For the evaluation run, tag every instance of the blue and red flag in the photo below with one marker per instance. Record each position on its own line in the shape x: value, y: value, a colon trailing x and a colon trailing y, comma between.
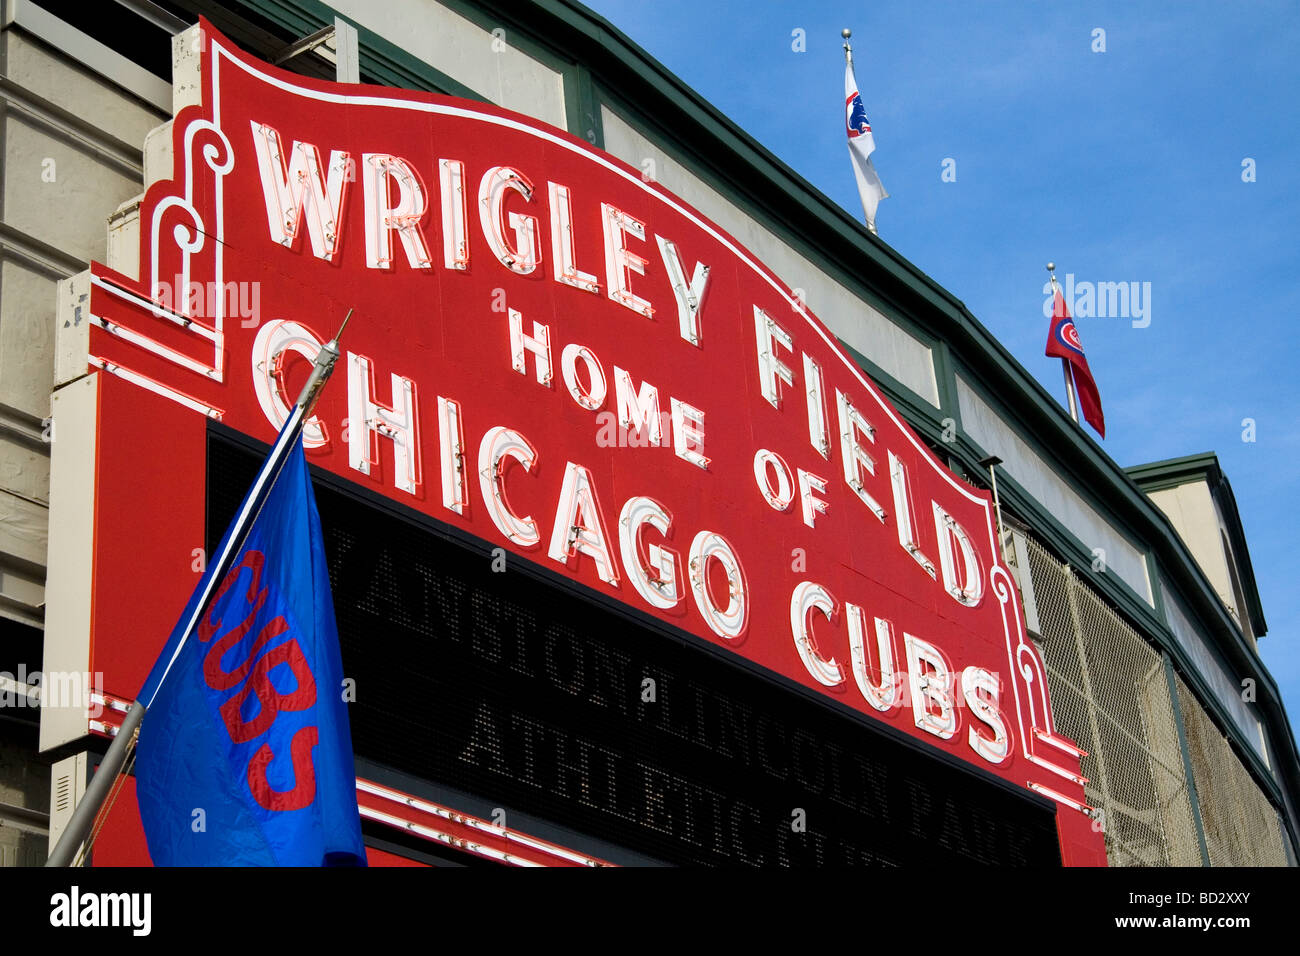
x: 1063, y: 342
x: 245, y: 755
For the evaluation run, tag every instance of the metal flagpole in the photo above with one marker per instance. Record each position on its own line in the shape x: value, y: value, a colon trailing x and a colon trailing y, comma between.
x: 97, y: 790
x: 1065, y: 363
x: 991, y: 464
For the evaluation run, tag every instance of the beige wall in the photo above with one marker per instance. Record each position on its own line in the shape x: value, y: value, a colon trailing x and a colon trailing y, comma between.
x: 1190, y: 508
x: 486, y: 62
x: 70, y: 138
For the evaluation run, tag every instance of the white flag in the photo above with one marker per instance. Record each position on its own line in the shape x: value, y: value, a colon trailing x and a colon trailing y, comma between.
x: 861, y: 145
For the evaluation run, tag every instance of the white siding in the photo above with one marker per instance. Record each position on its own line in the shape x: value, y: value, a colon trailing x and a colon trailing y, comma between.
x: 72, y: 539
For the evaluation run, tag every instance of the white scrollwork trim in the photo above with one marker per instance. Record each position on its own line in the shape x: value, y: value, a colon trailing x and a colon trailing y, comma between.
x: 191, y: 236
x: 1029, y: 684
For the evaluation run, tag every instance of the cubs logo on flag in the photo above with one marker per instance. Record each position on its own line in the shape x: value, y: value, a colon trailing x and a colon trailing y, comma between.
x: 1063, y: 342
x: 1067, y: 335
x: 857, y: 122
x: 245, y: 755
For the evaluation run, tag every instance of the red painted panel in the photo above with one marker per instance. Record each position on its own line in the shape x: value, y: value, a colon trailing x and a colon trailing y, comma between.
x: 121, y: 842
x: 148, y: 525
x: 377, y: 857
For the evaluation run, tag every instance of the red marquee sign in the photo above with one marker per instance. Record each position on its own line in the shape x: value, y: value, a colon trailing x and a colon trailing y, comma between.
x: 566, y: 361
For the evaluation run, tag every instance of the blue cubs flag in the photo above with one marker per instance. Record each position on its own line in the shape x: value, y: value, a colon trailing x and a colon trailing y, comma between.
x: 245, y: 756
x: 1063, y: 342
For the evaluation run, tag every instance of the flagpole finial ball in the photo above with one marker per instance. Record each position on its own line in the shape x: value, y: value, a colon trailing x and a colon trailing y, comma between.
x: 846, y: 33
x: 1051, y: 267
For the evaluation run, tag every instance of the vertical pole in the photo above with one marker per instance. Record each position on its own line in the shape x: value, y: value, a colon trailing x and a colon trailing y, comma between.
x: 1192, y: 797
x: 1065, y: 364
x: 991, y: 464
x: 1069, y: 390
x: 347, y: 65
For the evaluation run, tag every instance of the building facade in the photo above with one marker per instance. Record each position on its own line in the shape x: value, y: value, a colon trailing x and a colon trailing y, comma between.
x: 1136, y: 586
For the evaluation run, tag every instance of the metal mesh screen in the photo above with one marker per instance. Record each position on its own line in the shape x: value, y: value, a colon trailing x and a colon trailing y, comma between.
x: 1241, y: 826
x: 1110, y: 693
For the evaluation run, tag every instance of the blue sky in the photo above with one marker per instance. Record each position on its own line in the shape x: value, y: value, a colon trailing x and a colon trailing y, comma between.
x: 1123, y: 165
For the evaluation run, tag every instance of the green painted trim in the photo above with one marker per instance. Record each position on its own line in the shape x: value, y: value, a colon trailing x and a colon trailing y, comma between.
x: 946, y: 378
x: 300, y: 19
x: 389, y: 64
x: 590, y: 125
x: 1192, y: 797
x: 1176, y: 471
x: 1157, y: 592
x: 1240, y: 550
